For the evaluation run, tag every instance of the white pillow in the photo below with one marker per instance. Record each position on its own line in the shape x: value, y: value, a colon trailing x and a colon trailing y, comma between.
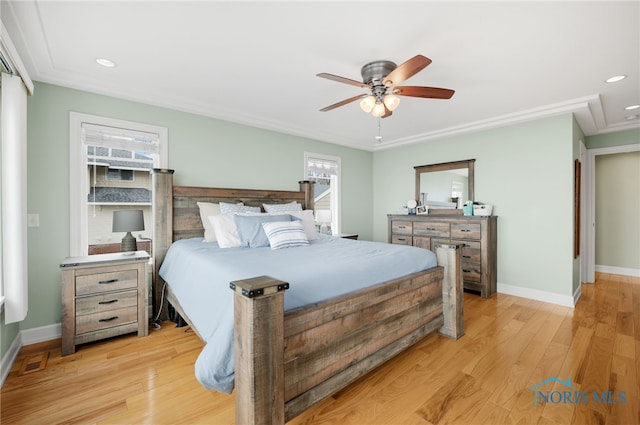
x: 291, y: 206
x: 285, y: 234
x: 225, y: 229
x: 308, y: 223
x: 208, y: 209
x: 226, y: 208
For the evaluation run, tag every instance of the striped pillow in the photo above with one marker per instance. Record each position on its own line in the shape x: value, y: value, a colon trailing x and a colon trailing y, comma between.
x: 285, y: 234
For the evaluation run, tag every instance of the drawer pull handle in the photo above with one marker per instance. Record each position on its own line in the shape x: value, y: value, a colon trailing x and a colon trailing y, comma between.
x: 431, y: 228
x: 466, y: 256
x: 103, y: 282
x: 107, y: 302
x: 402, y: 227
x: 108, y: 319
x: 402, y: 239
x: 466, y: 271
x: 465, y: 230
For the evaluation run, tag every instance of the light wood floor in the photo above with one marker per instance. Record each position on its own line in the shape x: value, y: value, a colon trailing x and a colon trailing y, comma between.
x: 511, y: 344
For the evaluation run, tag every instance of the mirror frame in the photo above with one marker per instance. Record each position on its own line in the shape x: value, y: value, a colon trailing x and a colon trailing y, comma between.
x: 445, y: 166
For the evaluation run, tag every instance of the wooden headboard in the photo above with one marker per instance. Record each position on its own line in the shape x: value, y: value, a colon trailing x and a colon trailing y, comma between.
x: 176, y: 214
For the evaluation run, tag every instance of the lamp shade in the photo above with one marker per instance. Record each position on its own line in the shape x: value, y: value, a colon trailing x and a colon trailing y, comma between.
x: 128, y: 220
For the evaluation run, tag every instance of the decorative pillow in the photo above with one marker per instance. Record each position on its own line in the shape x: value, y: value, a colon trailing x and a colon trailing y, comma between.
x: 291, y: 206
x: 308, y: 223
x: 250, y: 228
x: 208, y: 209
x: 225, y: 229
x: 285, y: 234
x: 226, y: 208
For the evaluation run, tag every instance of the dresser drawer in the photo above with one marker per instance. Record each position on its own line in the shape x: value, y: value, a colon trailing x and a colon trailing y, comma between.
x: 401, y: 227
x: 109, y: 281
x: 106, y: 302
x: 471, y: 272
x: 431, y: 229
x: 470, y: 250
x: 465, y: 230
x: 105, y: 319
x: 422, y: 242
x: 402, y: 239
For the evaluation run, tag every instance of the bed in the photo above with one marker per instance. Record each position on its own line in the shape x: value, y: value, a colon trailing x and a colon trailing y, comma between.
x: 291, y: 346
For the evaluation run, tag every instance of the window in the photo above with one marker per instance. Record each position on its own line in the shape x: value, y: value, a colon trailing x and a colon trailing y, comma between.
x: 324, y: 170
x: 110, y: 166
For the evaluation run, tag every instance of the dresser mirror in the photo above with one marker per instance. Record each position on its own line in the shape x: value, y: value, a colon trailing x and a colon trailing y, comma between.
x: 446, y: 186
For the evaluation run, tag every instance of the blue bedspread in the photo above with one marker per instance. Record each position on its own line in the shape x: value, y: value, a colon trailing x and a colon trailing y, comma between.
x: 199, y: 275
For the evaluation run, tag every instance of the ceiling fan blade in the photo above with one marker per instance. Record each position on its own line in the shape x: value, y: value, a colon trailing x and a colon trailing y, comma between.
x: 406, y: 70
x: 429, y: 92
x: 342, y: 103
x: 343, y: 80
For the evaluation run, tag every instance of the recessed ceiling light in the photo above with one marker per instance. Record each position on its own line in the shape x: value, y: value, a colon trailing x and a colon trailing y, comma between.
x: 615, y: 78
x: 107, y: 63
x: 629, y: 108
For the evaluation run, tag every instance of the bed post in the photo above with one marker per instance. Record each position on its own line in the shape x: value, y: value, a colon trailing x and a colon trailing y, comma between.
x: 162, y: 180
x: 450, y: 257
x: 259, y: 350
x: 306, y: 186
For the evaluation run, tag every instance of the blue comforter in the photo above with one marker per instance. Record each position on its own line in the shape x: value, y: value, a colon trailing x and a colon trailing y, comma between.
x: 199, y: 275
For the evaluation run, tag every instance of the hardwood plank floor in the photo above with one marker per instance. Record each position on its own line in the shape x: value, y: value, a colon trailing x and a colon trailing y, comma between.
x: 511, y: 345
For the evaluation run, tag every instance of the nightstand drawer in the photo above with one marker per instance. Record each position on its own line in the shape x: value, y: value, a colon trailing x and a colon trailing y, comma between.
x: 106, y: 302
x: 465, y: 230
x: 103, y: 282
x: 471, y: 272
x: 105, y: 319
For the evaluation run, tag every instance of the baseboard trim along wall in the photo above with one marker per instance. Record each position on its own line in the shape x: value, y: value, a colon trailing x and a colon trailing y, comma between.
x: 536, y: 294
x: 624, y: 271
x: 9, y: 358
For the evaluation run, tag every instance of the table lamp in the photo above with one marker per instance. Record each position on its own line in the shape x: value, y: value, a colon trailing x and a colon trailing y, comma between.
x: 128, y: 221
x: 323, y: 217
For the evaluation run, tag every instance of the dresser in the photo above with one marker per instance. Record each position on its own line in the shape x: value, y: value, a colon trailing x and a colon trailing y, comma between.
x: 478, y: 234
x: 103, y: 296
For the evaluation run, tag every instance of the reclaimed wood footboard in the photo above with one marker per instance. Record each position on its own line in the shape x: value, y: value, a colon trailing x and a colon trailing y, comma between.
x: 287, y: 362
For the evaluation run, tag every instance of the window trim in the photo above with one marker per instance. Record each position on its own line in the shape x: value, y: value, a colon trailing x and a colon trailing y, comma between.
x: 336, y: 218
x: 78, y: 178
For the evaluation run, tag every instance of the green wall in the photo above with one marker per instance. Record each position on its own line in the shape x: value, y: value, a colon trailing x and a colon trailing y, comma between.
x: 621, y: 138
x: 203, y: 151
x: 525, y: 171
x: 617, y: 207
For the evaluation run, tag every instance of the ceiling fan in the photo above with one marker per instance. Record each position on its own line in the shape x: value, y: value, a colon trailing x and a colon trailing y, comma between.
x: 381, y: 78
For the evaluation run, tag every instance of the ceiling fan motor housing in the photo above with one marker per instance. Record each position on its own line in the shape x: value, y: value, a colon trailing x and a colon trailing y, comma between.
x: 374, y: 72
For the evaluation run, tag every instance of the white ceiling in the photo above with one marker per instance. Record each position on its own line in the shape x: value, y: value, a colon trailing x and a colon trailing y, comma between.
x: 255, y: 63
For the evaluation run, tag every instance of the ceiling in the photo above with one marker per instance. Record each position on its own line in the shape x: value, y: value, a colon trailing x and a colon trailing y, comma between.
x: 255, y: 63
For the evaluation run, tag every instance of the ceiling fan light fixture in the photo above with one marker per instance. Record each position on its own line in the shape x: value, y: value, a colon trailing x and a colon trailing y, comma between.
x: 367, y: 103
x: 391, y: 101
x: 378, y: 109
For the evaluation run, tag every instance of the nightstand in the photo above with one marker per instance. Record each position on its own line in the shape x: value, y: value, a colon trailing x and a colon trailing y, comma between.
x: 103, y: 296
x: 353, y: 236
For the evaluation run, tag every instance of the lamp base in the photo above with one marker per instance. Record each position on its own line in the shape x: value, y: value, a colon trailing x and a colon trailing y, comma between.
x: 128, y: 243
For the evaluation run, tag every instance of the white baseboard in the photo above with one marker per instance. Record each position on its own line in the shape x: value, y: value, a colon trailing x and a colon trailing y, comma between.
x: 624, y: 271
x: 41, y: 334
x: 9, y: 358
x: 536, y: 294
